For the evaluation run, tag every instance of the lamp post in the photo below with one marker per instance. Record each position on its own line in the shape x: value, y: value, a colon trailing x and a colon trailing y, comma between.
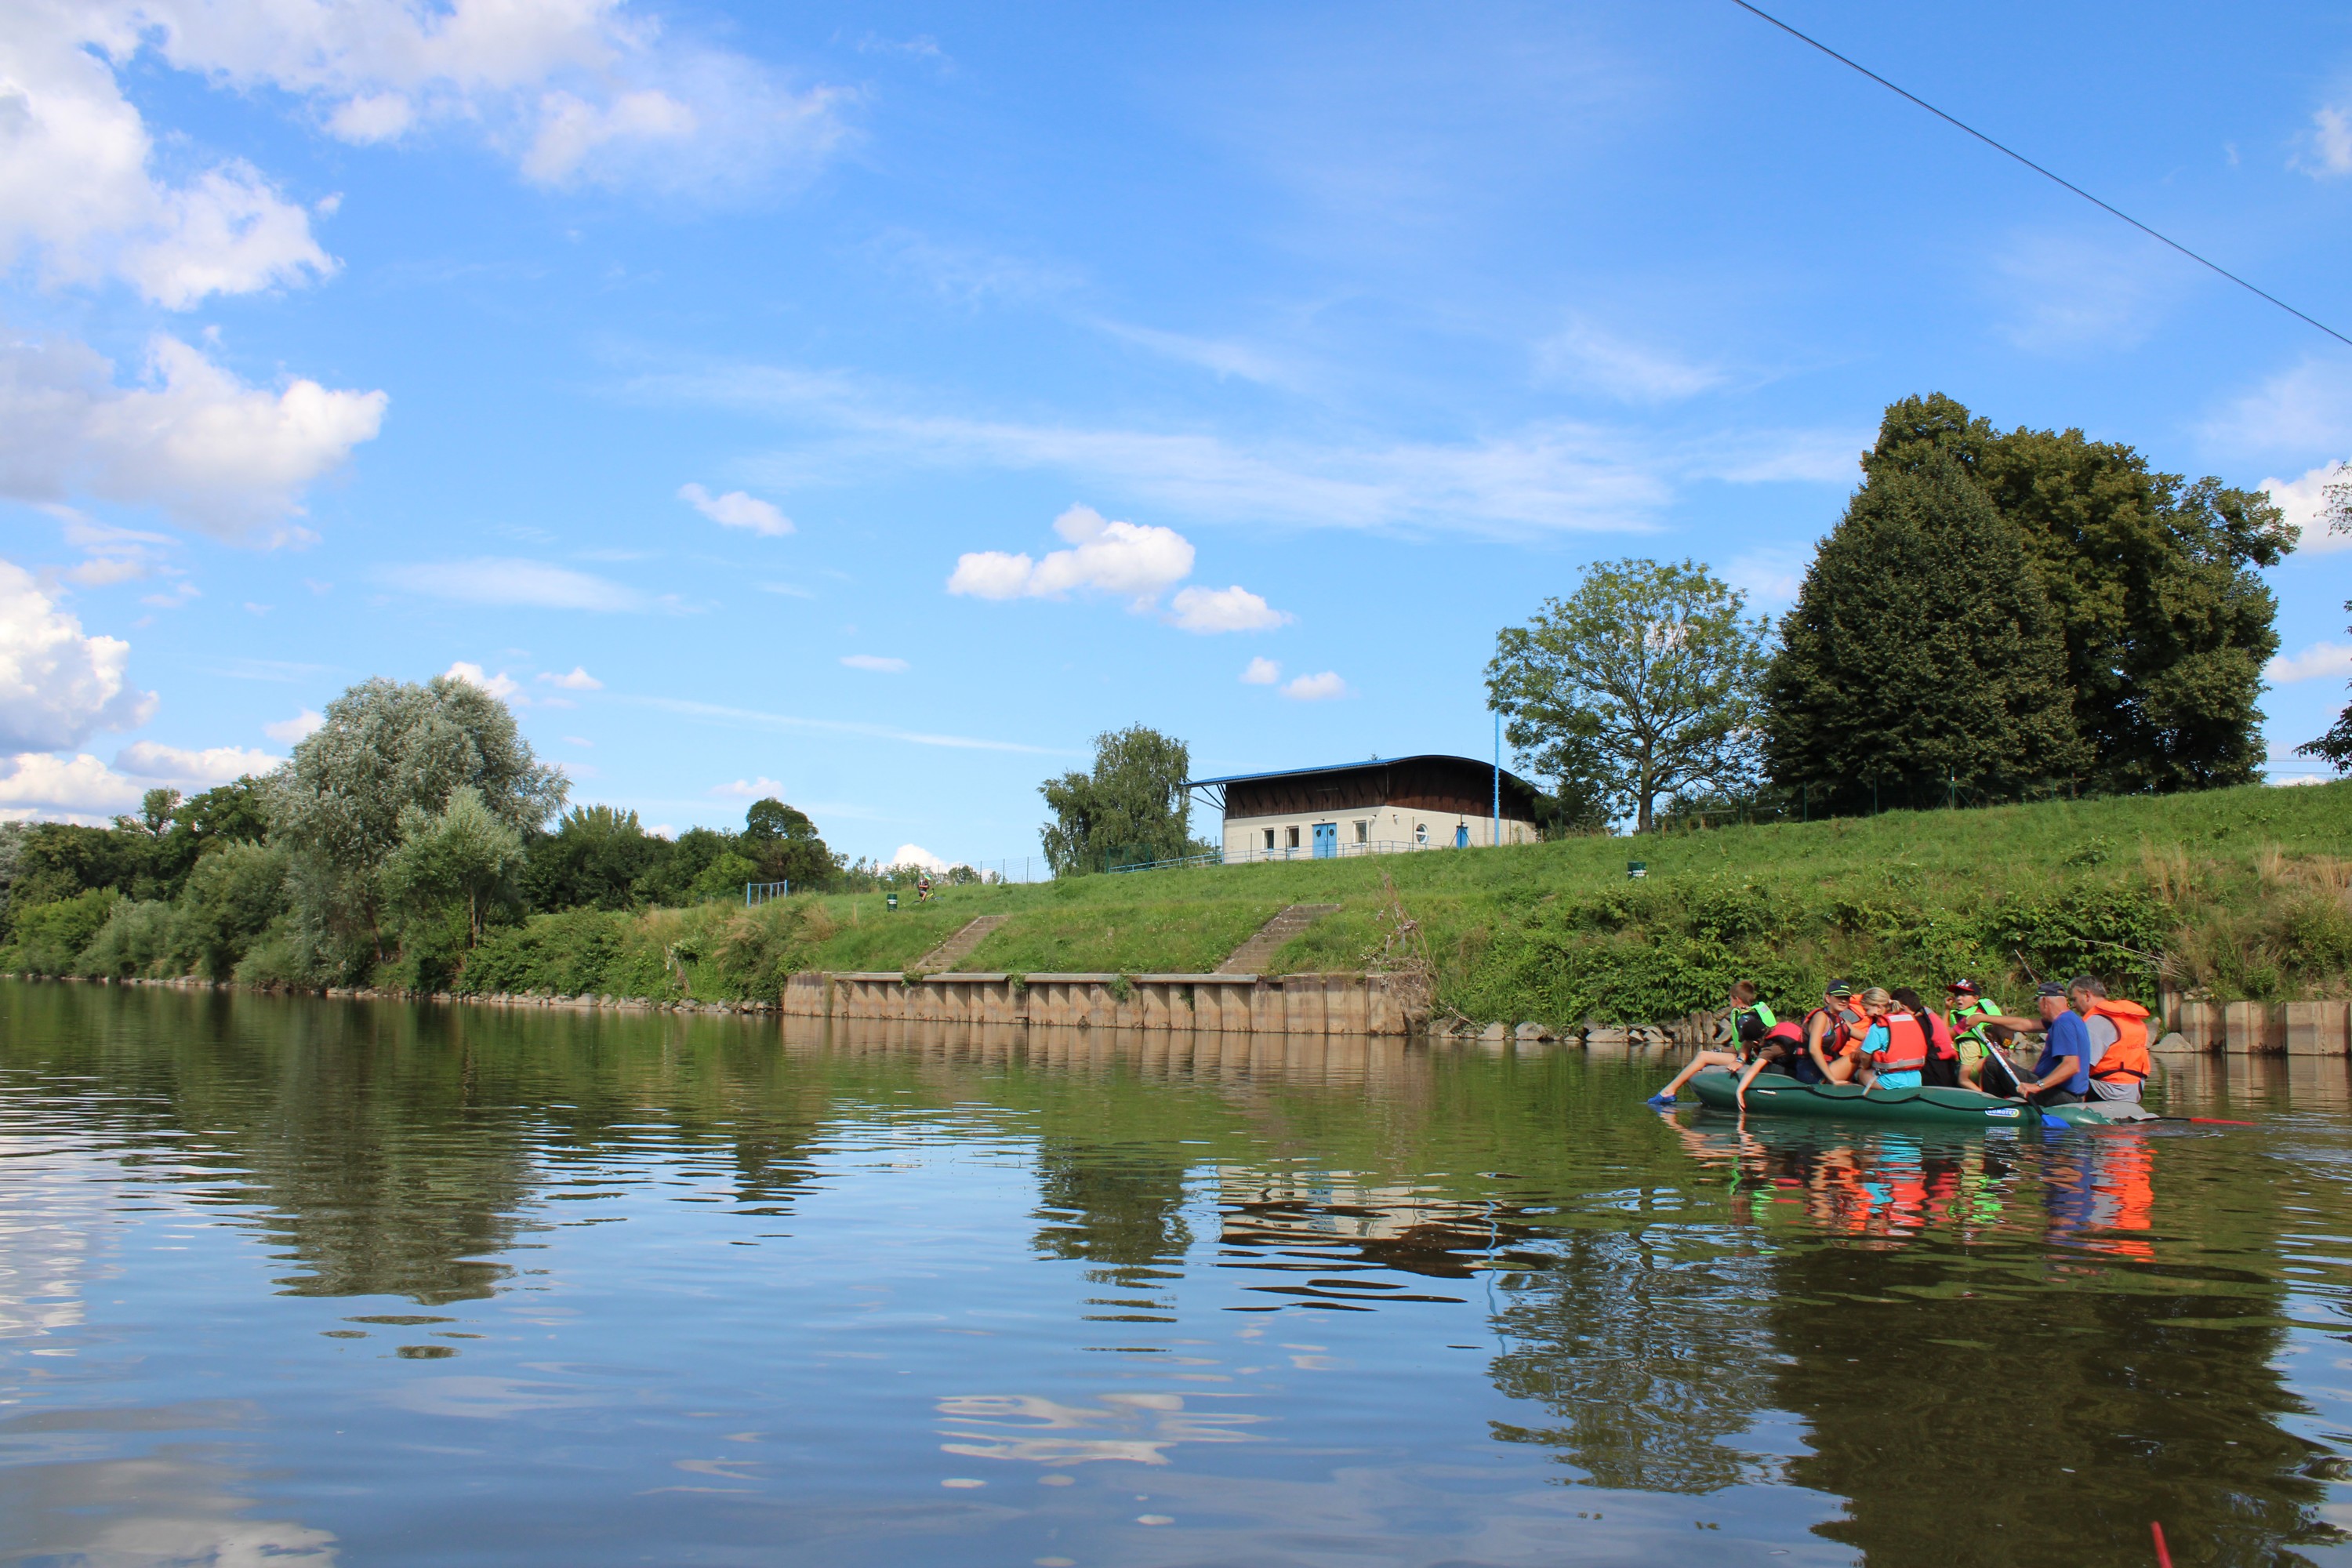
x: 1495, y: 837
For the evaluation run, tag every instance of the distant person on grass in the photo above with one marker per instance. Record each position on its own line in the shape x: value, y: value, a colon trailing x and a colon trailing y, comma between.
x: 1750, y: 1019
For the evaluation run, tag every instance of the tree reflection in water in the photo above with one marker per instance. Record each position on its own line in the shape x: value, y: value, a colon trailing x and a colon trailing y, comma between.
x: 1995, y: 1349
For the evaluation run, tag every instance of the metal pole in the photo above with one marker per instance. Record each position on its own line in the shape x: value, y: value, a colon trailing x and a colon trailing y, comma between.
x: 1495, y: 837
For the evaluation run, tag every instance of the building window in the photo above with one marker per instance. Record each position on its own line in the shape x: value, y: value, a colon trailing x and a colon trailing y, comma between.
x: 1363, y: 833
x: 1269, y: 838
x: 1294, y: 837
x: 1421, y: 832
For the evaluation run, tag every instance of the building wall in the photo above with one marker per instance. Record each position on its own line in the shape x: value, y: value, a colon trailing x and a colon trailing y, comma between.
x: 1445, y: 786
x: 1383, y: 829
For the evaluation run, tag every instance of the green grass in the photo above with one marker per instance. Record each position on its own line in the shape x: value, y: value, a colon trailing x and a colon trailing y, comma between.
x: 2236, y: 892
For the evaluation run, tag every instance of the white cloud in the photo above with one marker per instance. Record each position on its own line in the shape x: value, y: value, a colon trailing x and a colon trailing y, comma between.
x: 192, y: 440
x: 79, y: 191
x: 1583, y: 354
x: 532, y: 584
x: 2061, y: 293
x: 874, y: 661
x: 291, y: 731
x: 578, y: 680
x: 1234, y: 609
x: 1221, y: 357
x: 196, y: 769
x: 2304, y: 501
x: 2325, y: 153
x: 736, y: 510
x: 1553, y: 476
x: 1769, y: 575
x: 916, y: 857
x: 2320, y: 659
x: 579, y: 741
x: 500, y: 686
x: 1261, y: 671
x: 1316, y: 688
x: 575, y: 91
x: 56, y: 685
x: 749, y: 789
x: 1139, y: 561
x: 79, y: 788
x: 2302, y: 412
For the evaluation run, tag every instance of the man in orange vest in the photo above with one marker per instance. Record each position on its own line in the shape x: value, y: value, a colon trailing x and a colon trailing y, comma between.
x: 2117, y: 1057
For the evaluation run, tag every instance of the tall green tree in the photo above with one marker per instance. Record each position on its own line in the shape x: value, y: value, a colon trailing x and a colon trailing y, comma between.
x: 386, y: 748
x: 1133, y: 806
x: 1641, y: 683
x: 784, y: 845
x: 1921, y: 654
x: 2167, y: 626
x: 598, y: 857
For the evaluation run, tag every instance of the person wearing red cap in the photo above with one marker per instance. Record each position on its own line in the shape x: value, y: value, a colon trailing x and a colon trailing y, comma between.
x: 1972, y: 1017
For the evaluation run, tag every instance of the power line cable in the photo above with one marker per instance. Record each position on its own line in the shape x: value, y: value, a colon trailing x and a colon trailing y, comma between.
x: 2045, y: 173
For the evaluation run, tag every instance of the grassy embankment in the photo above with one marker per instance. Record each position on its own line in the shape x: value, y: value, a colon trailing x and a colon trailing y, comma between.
x: 2239, y: 893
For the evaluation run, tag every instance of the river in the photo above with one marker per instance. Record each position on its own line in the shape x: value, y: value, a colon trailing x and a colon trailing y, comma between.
x: 302, y: 1282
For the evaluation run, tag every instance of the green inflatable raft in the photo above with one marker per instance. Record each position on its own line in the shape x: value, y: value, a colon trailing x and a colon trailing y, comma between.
x: 1774, y: 1094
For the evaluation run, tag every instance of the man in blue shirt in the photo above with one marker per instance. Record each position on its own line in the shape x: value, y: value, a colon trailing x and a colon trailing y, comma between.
x: 2063, y: 1076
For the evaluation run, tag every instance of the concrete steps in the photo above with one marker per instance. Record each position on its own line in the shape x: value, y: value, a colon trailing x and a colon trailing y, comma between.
x: 959, y: 947
x: 1254, y: 953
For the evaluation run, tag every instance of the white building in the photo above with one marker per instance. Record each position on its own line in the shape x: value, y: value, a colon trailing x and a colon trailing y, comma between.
x: 1380, y: 807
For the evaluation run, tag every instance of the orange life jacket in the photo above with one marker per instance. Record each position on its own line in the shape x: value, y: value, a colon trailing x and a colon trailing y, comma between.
x: 2127, y: 1057
x: 1906, y: 1043
x: 1784, y: 1034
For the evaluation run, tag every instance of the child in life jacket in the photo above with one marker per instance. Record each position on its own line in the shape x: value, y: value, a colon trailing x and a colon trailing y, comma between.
x: 1944, y: 1067
x: 1895, y: 1048
x: 1750, y: 1019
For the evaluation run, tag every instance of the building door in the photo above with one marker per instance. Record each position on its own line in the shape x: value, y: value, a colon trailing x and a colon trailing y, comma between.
x: 1462, y: 836
x: 1326, y: 841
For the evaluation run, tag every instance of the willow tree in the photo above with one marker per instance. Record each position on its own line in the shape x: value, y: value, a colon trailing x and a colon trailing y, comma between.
x: 1640, y: 683
x: 386, y: 750
x: 1923, y: 657
x: 1132, y: 807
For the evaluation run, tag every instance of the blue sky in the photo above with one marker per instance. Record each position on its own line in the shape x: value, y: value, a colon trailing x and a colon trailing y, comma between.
x: 872, y: 404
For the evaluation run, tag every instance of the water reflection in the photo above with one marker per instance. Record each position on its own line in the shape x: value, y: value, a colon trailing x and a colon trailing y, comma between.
x: 587, y: 1277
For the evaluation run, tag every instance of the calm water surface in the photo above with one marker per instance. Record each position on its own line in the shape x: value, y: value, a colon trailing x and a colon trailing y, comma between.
x: 305, y: 1282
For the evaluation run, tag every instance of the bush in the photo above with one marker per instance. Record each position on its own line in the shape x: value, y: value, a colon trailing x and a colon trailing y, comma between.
x: 230, y: 900
x: 50, y: 937
x: 135, y: 941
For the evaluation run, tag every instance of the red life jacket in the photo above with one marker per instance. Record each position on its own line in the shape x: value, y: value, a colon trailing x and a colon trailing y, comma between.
x: 1906, y: 1043
x: 1939, y: 1037
x: 2127, y: 1057
x: 1834, y: 1039
x: 1788, y: 1034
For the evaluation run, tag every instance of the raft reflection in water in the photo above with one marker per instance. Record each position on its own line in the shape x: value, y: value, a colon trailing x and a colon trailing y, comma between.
x: 1339, y: 1297
x: 2028, y: 1319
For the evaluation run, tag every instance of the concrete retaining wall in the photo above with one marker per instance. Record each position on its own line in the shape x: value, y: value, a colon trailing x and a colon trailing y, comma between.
x: 2257, y: 1028
x: 1227, y: 1003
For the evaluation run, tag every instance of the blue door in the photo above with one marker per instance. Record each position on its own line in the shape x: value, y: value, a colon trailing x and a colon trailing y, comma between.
x: 1326, y: 841
x: 1462, y: 836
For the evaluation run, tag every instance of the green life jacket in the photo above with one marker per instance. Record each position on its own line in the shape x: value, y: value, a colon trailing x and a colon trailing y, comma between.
x: 1979, y: 1008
